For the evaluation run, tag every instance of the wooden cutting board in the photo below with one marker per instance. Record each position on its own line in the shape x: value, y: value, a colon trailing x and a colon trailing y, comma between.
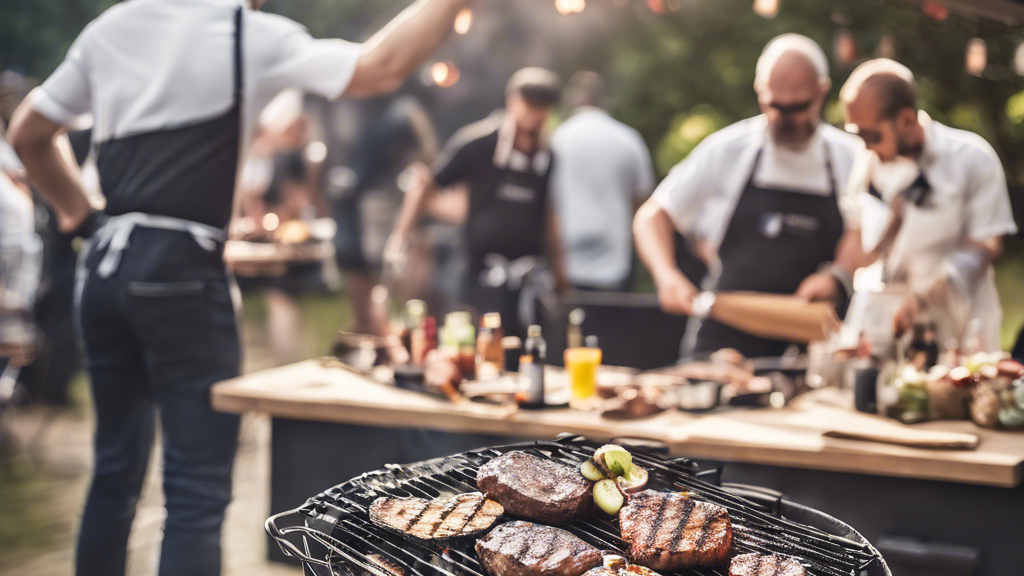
x: 775, y: 316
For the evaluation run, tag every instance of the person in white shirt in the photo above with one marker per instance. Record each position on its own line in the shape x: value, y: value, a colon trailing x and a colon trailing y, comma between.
x: 174, y: 88
x: 758, y: 199
x: 602, y: 175
x: 930, y: 201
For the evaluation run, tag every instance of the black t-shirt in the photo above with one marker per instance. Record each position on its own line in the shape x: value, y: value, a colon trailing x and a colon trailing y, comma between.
x: 507, y: 207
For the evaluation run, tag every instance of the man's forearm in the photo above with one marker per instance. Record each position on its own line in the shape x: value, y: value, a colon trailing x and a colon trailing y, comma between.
x: 412, y: 207
x: 35, y: 140
x: 654, y: 236
x: 556, y: 254
x: 403, y: 45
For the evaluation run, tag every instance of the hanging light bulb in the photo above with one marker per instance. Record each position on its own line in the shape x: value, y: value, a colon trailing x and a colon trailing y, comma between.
x: 844, y: 48
x: 936, y: 10
x: 464, y: 21
x: 976, y: 57
x: 566, y: 7
x: 445, y: 74
x: 656, y: 6
x: 766, y: 8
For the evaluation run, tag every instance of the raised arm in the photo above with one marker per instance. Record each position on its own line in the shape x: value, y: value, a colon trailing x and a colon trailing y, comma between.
x: 654, y: 235
x: 35, y: 139
x: 402, y: 46
x: 422, y: 188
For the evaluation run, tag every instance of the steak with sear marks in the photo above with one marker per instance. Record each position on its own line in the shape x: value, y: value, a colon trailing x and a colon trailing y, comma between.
x: 463, y: 515
x: 666, y: 531
x: 526, y: 549
x: 535, y: 488
x: 630, y: 571
x: 766, y: 565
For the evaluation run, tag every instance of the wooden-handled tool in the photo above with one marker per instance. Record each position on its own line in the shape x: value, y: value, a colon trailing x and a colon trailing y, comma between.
x: 772, y: 316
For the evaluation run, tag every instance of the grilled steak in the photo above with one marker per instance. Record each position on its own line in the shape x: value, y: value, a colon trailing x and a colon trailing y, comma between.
x: 526, y: 549
x: 535, y: 488
x: 463, y: 515
x: 766, y: 565
x: 630, y: 571
x: 669, y: 531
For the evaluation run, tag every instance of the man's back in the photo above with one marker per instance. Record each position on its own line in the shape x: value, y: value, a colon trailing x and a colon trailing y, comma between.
x: 602, y: 166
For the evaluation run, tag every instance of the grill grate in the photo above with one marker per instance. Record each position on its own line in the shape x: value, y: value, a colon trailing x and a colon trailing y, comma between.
x: 343, y: 539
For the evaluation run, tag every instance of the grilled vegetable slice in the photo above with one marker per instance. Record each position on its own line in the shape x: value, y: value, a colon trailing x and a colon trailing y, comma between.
x: 608, y: 496
x: 635, y: 481
x: 591, y: 472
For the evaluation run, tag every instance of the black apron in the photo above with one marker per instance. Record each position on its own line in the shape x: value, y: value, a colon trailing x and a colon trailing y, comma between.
x: 775, y: 240
x: 522, y: 225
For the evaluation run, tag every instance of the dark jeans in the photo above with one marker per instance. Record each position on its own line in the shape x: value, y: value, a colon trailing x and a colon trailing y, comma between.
x: 157, y: 334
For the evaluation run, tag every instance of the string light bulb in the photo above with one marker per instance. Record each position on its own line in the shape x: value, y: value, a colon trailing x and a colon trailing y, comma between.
x: 766, y: 8
x: 445, y: 74
x: 976, y: 57
x: 566, y: 7
x: 464, y: 21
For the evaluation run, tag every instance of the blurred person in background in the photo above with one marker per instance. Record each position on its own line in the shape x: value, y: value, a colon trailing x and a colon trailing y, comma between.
x: 174, y: 88
x: 603, y: 174
x: 279, y: 198
x: 20, y: 266
x: 506, y: 165
x: 759, y: 199
x: 398, y: 132
x: 930, y: 201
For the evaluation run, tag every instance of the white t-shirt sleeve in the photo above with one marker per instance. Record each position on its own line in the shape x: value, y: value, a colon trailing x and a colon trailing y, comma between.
x: 294, y: 59
x: 645, y: 169
x: 683, y: 192
x: 988, y: 211
x: 65, y: 97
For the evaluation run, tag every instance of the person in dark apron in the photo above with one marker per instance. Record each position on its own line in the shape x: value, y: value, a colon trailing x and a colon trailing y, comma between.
x: 775, y: 239
x: 156, y: 306
x: 510, y: 225
x: 758, y: 202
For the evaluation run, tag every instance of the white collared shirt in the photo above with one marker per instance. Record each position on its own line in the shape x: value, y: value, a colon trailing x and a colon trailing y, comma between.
x: 968, y: 200
x: 702, y: 191
x: 148, y: 65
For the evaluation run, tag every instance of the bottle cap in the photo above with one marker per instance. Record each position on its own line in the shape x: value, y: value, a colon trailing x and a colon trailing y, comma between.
x: 533, y: 331
x: 577, y: 316
x: 591, y: 341
x: 511, y: 342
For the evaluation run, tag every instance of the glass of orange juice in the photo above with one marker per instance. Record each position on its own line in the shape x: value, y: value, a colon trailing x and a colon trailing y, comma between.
x: 581, y: 366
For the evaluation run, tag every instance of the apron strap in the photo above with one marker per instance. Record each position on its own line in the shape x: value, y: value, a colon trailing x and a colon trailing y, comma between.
x: 116, y: 232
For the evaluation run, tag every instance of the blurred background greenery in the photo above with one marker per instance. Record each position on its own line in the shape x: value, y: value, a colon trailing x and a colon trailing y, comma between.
x: 678, y: 69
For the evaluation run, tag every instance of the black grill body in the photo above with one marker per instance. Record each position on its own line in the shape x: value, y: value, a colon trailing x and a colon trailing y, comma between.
x: 332, y: 534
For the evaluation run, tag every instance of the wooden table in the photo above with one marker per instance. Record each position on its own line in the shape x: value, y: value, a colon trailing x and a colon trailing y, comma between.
x: 791, y: 436
x: 320, y: 409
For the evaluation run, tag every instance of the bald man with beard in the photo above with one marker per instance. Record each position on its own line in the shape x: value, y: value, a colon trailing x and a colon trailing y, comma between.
x: 758, y: 200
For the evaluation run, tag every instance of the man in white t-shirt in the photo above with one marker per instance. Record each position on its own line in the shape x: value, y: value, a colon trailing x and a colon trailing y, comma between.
x: 174, y: 88
x: 758, y: 199
x: 602, y: 174
x: 930, y: 201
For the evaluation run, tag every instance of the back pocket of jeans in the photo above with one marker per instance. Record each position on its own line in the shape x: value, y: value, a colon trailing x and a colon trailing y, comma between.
x: 171, y: 317
x: 166, y: 289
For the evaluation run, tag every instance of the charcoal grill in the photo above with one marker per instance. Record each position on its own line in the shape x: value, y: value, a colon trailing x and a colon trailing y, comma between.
x: 332, y: 534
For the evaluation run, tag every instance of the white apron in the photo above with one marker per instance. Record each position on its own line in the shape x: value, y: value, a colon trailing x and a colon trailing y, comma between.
x: 927, y: 238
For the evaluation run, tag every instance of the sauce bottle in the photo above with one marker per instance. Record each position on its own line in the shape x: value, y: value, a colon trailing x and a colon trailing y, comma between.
x: 531, y: 369
x: 424, y: 339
